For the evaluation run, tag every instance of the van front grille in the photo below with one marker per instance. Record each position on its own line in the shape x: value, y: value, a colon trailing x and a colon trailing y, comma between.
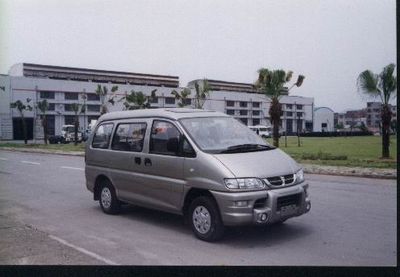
x: 278, y: 181
x: 293, y: 199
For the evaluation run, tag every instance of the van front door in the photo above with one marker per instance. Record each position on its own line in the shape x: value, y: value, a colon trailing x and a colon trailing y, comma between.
x: 163, y: 167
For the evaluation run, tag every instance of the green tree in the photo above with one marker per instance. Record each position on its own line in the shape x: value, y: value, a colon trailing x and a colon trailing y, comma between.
x: 105, y: 98
x: 384, y: 87
x: 182, y: 97
x: 21, y: 107
x: 43, y: 107
x: 136, y: 100
x: 272, y: 84
x: 202, y: 89
x: 77, y: 109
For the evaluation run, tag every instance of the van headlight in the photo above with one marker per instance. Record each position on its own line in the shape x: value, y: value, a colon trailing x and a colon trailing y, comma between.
x: 300, y: 176
x: 244, y: 183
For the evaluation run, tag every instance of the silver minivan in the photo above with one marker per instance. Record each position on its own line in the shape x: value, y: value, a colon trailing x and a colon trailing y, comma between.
x: 204, y: 165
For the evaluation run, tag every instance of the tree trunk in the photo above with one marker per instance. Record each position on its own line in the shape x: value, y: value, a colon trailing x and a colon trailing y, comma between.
x: 275, y: 115
x: 44, y: 124
x: 76, y: 125
x: 386, y: 115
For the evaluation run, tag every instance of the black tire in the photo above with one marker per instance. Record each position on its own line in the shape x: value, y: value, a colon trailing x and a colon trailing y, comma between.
x: 113, y: 205
x: 216, y: 228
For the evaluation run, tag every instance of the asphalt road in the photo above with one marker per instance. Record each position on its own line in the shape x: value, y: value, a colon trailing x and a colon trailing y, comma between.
x: 352, y: 223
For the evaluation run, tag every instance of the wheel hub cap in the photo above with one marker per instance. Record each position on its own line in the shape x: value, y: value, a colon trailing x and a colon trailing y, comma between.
x: 106, y: 198
x: 201, y: 219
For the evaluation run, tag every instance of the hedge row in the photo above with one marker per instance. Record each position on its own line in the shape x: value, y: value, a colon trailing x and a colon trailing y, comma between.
x: 337, y: 134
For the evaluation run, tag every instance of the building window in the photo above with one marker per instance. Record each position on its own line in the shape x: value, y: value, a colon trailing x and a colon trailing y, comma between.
x: 289, y: 113
x: 243, y: 104
x: 69, y: 119
x: 299, y: 107
x: 299, y: 114
x: 256, y: 104
x: 289, y: 106
x: 256, y: 112
x: 187, y: 102
x: 70, y: 96
x: 256, y: 121
x: 51, y: 107
x: 68, y: 108
x: 93, y: 108
x: 243, y: 120
x: 170, y: 100
x: 230, y: 112
x: 230, y: 103
x: 47, y: 94
x: 154, y: 100
x: 93, y: 97
x: 243, y: 112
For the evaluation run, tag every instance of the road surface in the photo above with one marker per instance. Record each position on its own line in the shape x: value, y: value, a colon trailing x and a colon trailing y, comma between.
x: 48, y: 217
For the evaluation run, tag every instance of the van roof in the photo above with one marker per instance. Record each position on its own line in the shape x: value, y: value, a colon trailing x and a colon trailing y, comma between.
x: 170, y: 113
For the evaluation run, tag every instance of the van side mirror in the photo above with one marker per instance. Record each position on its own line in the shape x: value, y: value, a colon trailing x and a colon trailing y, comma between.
x: 173, y: 145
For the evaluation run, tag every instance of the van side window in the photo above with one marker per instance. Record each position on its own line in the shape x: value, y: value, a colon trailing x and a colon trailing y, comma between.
x: 102, y: 136
x: 163, y: 135
x: 129, y: 137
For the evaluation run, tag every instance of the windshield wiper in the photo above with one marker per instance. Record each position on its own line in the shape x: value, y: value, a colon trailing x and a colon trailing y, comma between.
x: 247, y: 148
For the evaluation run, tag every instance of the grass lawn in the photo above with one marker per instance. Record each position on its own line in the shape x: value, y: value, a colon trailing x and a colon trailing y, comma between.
x: 63, y: 147
x: 342, y: 151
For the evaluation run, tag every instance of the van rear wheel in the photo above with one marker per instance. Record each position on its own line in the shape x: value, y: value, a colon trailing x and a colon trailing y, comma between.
x: 108, y: 200
x: 205, y: 219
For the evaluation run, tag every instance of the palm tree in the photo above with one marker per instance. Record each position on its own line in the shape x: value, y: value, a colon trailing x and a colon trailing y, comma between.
x: 77, y: 109
x: 21, y: 107
x: 383, y: 86
x: 271, y: 83
x: 138, y: 100
x: 43, y: 107
x: 106, y: 99
x: 202, y: 92
x: 182, y: 97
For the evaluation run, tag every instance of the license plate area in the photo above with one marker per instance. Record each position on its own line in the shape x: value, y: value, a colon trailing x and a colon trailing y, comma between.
x: 288, y: 204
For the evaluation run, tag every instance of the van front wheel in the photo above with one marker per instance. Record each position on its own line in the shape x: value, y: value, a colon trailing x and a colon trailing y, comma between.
x: 205, y: 219
x: 108, y: 199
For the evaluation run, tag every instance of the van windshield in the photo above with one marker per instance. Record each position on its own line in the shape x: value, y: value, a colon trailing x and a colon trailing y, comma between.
x: 223, y: 135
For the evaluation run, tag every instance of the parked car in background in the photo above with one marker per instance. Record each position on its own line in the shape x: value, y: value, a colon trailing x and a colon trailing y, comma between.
x: 204, y: 165
x: 262, y: 130
x: 67, y: 135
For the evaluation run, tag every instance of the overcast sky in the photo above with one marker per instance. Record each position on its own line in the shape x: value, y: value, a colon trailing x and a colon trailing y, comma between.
x: 330, y: 42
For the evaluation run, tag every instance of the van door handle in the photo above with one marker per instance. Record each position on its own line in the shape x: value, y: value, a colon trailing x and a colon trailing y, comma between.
x: 147, y: 162
x: 138, y: 160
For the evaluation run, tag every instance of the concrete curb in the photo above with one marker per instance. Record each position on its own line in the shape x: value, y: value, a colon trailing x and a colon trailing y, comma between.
x: 381, y: 173
x: 44, y: 151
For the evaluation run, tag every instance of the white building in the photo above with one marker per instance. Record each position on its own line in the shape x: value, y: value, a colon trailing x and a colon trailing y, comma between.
x: 323, y: 119
x: 63, y: 86
x: 242, y: 101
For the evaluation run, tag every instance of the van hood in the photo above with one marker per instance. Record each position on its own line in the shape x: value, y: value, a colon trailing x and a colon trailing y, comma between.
x: 259, y: 164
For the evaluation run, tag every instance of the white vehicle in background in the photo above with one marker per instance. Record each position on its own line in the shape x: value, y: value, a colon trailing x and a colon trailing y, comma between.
x: 68, y: 134
x: 262, y: 131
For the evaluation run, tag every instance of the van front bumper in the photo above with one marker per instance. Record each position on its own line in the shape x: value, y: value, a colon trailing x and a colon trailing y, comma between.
x: 263, y: 207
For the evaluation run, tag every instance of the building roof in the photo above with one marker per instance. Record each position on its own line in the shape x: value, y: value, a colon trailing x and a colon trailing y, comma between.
x: 216, y: 85
x: 94, y: 75
x: 319, y: 108
x: 170, y: 113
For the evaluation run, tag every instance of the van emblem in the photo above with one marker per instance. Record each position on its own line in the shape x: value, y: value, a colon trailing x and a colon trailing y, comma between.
x: 283, y: 180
